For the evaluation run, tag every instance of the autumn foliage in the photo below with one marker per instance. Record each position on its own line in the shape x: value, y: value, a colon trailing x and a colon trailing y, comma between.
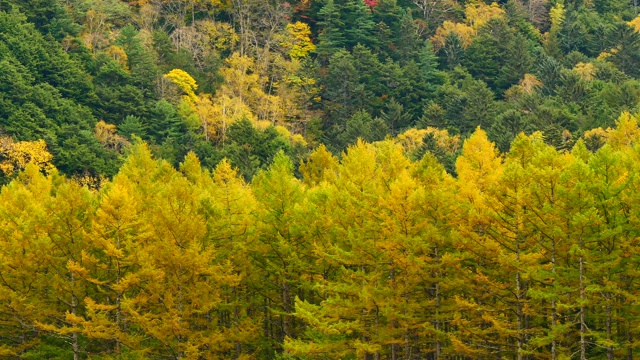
x: 371, y: 255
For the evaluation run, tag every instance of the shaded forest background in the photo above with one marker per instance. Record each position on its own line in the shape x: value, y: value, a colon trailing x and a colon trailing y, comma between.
x: 243, y: 79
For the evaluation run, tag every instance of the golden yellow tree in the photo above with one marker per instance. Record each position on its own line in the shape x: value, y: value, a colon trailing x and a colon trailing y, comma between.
x: 22, y: 291
x: 14, y: 156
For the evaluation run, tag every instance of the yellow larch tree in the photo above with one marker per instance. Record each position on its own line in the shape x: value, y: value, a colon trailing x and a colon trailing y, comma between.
x: 479, y: 169
x: 319, y: 166
x: 23, y: 245
x: 282, y: 250
x: 625, y: 134
x: 635, y: 23
x: 14, y: 156
x: 477, y: 13
x: 342, y: 322
x: 585, y: 70
x: 108, y: 136
x: 69, y: 213
x: 464, y: 31
x: 114, y: 262
x: 184, y: 81
x: 296, y: 40
x: 229, y: 207
x: 183, y: 285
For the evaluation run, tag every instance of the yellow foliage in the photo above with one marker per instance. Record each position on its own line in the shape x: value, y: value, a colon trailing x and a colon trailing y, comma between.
x: 220, y: 34
x: 184, y: 81
x: 598, y: 134
x: 635, y: 24
x: 586, y: 71
x: 6, y: 351
x: 118, y: 54
x: 480, y: 165
x: 444, y: 140
x: 478, y: 13
x: 556, y: 14
x: 95, y: 27
x: 204, y: 38
x: 603, y: 55
x: 298, y: 41
x: 626, y: 132
x: 201, y: 260
x: 217, y: 114
x: 14, y: 156
x: 319, y: 166
x: 299, y: 139
x: 294, y: 138
x: 465, y: 32
x: 411, y: 139
x: 244, y: 84
x: 240, y: 78
x: 263, y: 124
x: 232, y: 103
x: 530, y: 83
x: 283, y: 131
x: 108, y: 136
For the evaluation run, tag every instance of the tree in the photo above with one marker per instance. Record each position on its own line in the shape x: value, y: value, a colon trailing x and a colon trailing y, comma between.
x: 362, y: 126
x: 361, y: 26
x: 22, y: 207
x: 408, y: 45
x: 16, y: 155
x: 298, y: 40
x: 282, y: 253
x: 330, y: 37
x: 184, y: 81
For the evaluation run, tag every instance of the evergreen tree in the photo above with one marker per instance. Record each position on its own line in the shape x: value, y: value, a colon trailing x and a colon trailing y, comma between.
x: 331, y: 37
x: 361, y: 28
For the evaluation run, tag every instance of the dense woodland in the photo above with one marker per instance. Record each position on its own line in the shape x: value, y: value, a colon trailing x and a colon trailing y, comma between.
x: 319, y: 179
x: 244, y: 79
x: 532, y: 254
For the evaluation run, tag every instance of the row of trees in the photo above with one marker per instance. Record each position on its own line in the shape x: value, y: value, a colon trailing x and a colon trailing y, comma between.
x: 531, y: 254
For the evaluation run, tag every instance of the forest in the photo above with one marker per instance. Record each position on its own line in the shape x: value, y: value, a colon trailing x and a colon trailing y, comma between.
x: 320, y: 179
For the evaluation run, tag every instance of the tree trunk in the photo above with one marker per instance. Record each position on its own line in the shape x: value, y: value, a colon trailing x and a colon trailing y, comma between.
x: 519, y: 295
x: 74, y: 335
x: 438, y: 347
x: 583, y: 325
x: 554, y: 309
x: 608, y: 324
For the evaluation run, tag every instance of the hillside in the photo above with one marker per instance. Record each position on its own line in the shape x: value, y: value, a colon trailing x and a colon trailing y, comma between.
x: 255, y: 77
x: 319, y: 179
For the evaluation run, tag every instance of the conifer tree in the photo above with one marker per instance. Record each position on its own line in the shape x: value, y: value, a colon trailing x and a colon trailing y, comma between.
x: 331, y: 37
x: 283, y: 251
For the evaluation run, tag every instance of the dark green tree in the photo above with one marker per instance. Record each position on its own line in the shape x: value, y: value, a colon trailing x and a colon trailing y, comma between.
x: 362, y: 126
x: 408, y: 43
x: 452, y: 53
x: 330, y: 35
x: 359, y: 26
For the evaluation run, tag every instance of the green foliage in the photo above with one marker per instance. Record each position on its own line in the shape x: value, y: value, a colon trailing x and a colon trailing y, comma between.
x: 249, y: 149
x: 132, y: 126
x: 330, y: 38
